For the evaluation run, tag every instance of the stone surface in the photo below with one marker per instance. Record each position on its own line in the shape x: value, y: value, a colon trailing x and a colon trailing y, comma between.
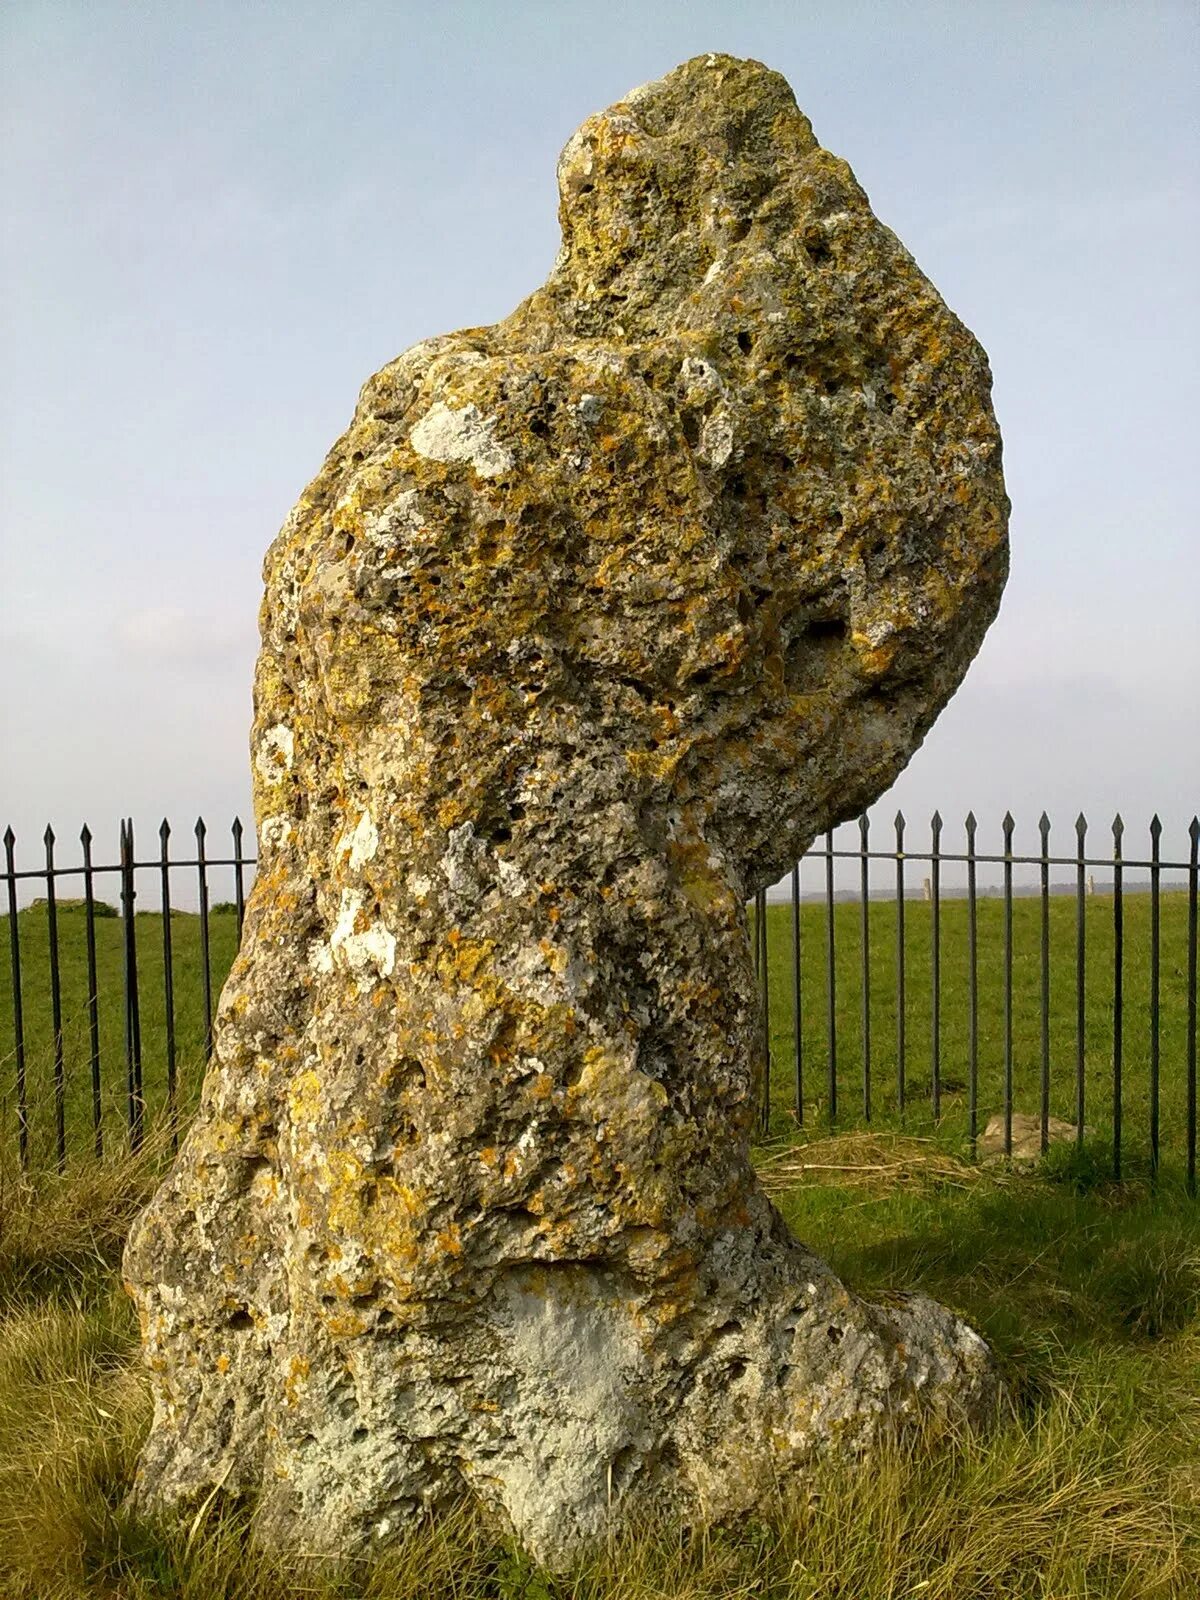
x: 588, y: 624
x: 1026, y: 1136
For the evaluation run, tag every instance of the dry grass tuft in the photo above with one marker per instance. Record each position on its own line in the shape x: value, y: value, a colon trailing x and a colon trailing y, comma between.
x: 1090, y: 1490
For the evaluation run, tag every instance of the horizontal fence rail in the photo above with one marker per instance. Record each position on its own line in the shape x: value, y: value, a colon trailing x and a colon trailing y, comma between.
x: 878, y: 1006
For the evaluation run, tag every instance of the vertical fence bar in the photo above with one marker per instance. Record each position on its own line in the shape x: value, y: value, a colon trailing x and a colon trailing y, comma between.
x: 831, y: 977
x: 765, y: 980
x: 972, y: 987
x: 756, y: 942
x: 1008, y: 825
x: 797, y: 1000
x: 864, y: 824
x: 935, y: 1021
x: 133, y: 1022
x: 89, y: 901
x: 1118, y: 991
x: 1044, y: 870
x: 164, y: 870
x: 205, y: 955
x: 1193, y: 876
x: 60, y: 1084
x: 1080, y: 972
x: 239, y: 888
x: 900, y: 996
x: 14, y: 948
x: 1155, y: 930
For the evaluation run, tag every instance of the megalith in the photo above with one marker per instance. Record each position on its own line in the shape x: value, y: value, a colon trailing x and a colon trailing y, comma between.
x: 588, y: 624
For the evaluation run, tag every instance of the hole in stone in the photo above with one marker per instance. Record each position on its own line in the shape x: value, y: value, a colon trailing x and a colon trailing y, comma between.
x: 835, y: 1334
x: 826, y: 628
x: 358, y: 1436
x: 817, y: 247
x: 539, y: 427
x: 745, y: 343
x: 240, y: 1321
x: 735, y: 1370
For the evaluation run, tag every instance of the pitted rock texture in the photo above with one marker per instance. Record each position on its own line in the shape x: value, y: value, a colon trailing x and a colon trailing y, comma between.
x: 586, y: 627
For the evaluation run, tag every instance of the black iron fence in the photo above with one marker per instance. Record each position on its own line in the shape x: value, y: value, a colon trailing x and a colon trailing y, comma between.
x: 955, y: 988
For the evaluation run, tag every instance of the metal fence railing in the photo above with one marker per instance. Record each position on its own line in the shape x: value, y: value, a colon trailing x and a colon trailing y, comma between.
x: 940, y: 982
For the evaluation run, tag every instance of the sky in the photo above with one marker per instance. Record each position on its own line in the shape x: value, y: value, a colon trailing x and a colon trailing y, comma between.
x: 217, y: 221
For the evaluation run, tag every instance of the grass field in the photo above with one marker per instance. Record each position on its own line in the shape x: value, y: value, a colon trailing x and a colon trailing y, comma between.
x: 953, y: 1032
x: 1089, y: 1489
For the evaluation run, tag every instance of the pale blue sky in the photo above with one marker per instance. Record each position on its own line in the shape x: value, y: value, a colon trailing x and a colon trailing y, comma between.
x: 216, y: 220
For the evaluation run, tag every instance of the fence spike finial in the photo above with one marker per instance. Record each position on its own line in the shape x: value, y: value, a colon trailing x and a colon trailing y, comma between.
x: 10, y: 837
x: 48, y: 836
x: 1193, y: 829
x: 1043, y: 824
x: 164, y: 830
x: 85, y: 835
x: 935, y: 822
x: 1118, y: 827
x: 971, y: 824
x: 200, y: 829
x: 1081, y: 825
x: 1155, y: 826
x: 1009, y: 822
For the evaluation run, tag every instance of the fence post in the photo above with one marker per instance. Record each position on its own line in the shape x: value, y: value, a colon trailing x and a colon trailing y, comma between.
x: 1008, y: 826
x: 60, y: 1108
x: 972, y: 987
x: 205, y: 955
x: 1080, y: 973
x: 89, y: 899
x: 900, y: 996
x: 133, y: 1025
x: 830, y: 953
x: 864, y: 824
x: 1118, y: 828
x: 14, y: 944
x: 797, y: 998
x: 1044, y: 869
x: 164, y: 869
x: 935, y: 1031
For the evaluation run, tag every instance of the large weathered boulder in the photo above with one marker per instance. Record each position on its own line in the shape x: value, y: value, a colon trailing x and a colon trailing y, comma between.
x: 588, y: 624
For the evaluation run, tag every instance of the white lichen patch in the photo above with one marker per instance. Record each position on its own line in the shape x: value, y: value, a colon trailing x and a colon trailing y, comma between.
x: 274, y: 832
x: 360, y: 844
x: 716, y: 438
x: 466, y: 435
x: 362, y: 947
x: 276, y: 752
x: 401, y: 517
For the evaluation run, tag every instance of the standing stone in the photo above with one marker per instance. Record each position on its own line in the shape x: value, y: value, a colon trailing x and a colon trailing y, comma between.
x: 587, y: 626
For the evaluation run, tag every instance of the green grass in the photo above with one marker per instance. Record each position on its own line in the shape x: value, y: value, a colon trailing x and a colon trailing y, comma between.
x: 1088, y: 1489
x: 954, y: 1017
x: 189, y: 1018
